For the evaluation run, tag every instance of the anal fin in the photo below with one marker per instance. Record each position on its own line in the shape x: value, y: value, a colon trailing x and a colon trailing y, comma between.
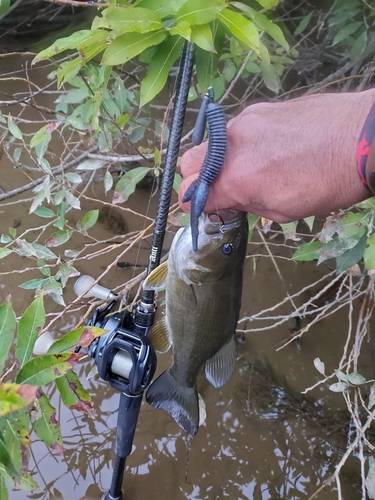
x: 159, y: 336
x: 221, y: 366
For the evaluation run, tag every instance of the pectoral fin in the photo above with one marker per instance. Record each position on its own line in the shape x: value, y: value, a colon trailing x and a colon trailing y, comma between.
x: 159, y: 336
x: 156, y: 280
x: 220, y: 367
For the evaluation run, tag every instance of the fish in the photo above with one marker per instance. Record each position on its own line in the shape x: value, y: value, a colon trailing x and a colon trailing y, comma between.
x: 203, y: 301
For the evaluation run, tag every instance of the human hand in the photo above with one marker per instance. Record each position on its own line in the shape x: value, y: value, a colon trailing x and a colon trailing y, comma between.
x: 289, y: 160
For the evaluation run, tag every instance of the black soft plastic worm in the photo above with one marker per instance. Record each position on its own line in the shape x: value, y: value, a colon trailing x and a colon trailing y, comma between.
x: 198, y: 190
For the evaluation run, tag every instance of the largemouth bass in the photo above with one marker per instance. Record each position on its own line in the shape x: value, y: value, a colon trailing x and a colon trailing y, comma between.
x: 203, y: 300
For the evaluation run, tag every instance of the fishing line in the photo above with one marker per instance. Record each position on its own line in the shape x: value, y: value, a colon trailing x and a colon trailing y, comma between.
x: 166, y: 118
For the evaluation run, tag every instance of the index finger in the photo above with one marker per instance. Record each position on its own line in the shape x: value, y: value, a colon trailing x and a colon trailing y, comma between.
x: 192, y: 160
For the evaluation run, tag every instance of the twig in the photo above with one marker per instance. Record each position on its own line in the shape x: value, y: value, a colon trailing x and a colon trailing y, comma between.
x: 55, y: 171
x: 74, y: 3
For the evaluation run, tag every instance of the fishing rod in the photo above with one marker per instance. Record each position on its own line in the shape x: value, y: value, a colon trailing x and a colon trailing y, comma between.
x: 125, y: 357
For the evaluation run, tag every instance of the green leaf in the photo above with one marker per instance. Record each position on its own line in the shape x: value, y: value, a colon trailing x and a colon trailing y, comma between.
x: 39, y: 137
x: 162, y: 7
x: 183, y: 29
x: 270, y: 76
x: 44, y: 369
x: 65, y: 272
x: 91, y: 165
x: 307, y: 251
x: 158, y: 69
x: 346, y: 31
x: 4, y: 7
x: 206, y: 63
x: 177, y: 182
x: 29, y: 328
x: 4, y: 252
x: 108, y: 182
x: 289, y: 231
x: 342, y: 15
x: 268, y: 4
x: 74, y: 395
x: 3, y: 487
x: 198, y: 12
x: 319, y: 365
x: 13, y: 397
x: 129, y: 45
x: 43, y: 267
x: 43, y: 252
x: 89, y: 219
x: 73, y: 178
x: 27, y: 483
x: 46, y: 426
x: 241, y: 28
x: 62, y: 44
x: 335, y: 248
x: 356, y: 379
x: 202, y: 36
x: 310, y: 221
x: 338, y: 387
x: 303, y: 24
x: 25, y: 248
x: 13, y: 129
x: 59, y: 238
x: 6, y: 459
x: 343, y: 377
x: 348, y: 225
x: 370, y: 479
x: 263, y: 23
x: 350, y: 257
x: 7, y: 330
x: 44, y: 212
x: 68, y: 71
x: 359, y: 46
x: 34, y: 283
x: 82, y: 337
x: 13, y: 443
x: 130, y: 19
x: 128, y: 182
x: 252, y: 221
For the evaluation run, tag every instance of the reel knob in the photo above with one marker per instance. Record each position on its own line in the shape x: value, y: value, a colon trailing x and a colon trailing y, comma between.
x: 85, y: 284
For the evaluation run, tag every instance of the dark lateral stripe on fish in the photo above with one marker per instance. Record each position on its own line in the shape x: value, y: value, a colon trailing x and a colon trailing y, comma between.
x: 181, y: 402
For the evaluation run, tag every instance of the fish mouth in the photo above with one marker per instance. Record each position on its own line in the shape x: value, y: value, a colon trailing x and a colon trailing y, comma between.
x: 222, y: 221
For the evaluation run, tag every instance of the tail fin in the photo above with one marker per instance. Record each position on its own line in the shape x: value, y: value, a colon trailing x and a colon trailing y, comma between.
x: 181, y: 402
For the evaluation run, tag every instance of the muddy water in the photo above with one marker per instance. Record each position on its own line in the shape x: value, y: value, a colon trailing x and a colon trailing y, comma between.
x: 262, y: 439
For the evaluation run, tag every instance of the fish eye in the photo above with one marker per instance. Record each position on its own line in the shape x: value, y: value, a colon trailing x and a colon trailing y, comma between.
x: 227, y: 248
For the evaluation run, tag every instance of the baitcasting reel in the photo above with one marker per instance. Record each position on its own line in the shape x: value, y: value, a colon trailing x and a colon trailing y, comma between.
x: 125, y: 358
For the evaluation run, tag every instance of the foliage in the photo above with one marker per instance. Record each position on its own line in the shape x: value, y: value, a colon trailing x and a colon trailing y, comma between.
x: 155, y: 32
x: 347, y: 237
x: 24, y: 407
